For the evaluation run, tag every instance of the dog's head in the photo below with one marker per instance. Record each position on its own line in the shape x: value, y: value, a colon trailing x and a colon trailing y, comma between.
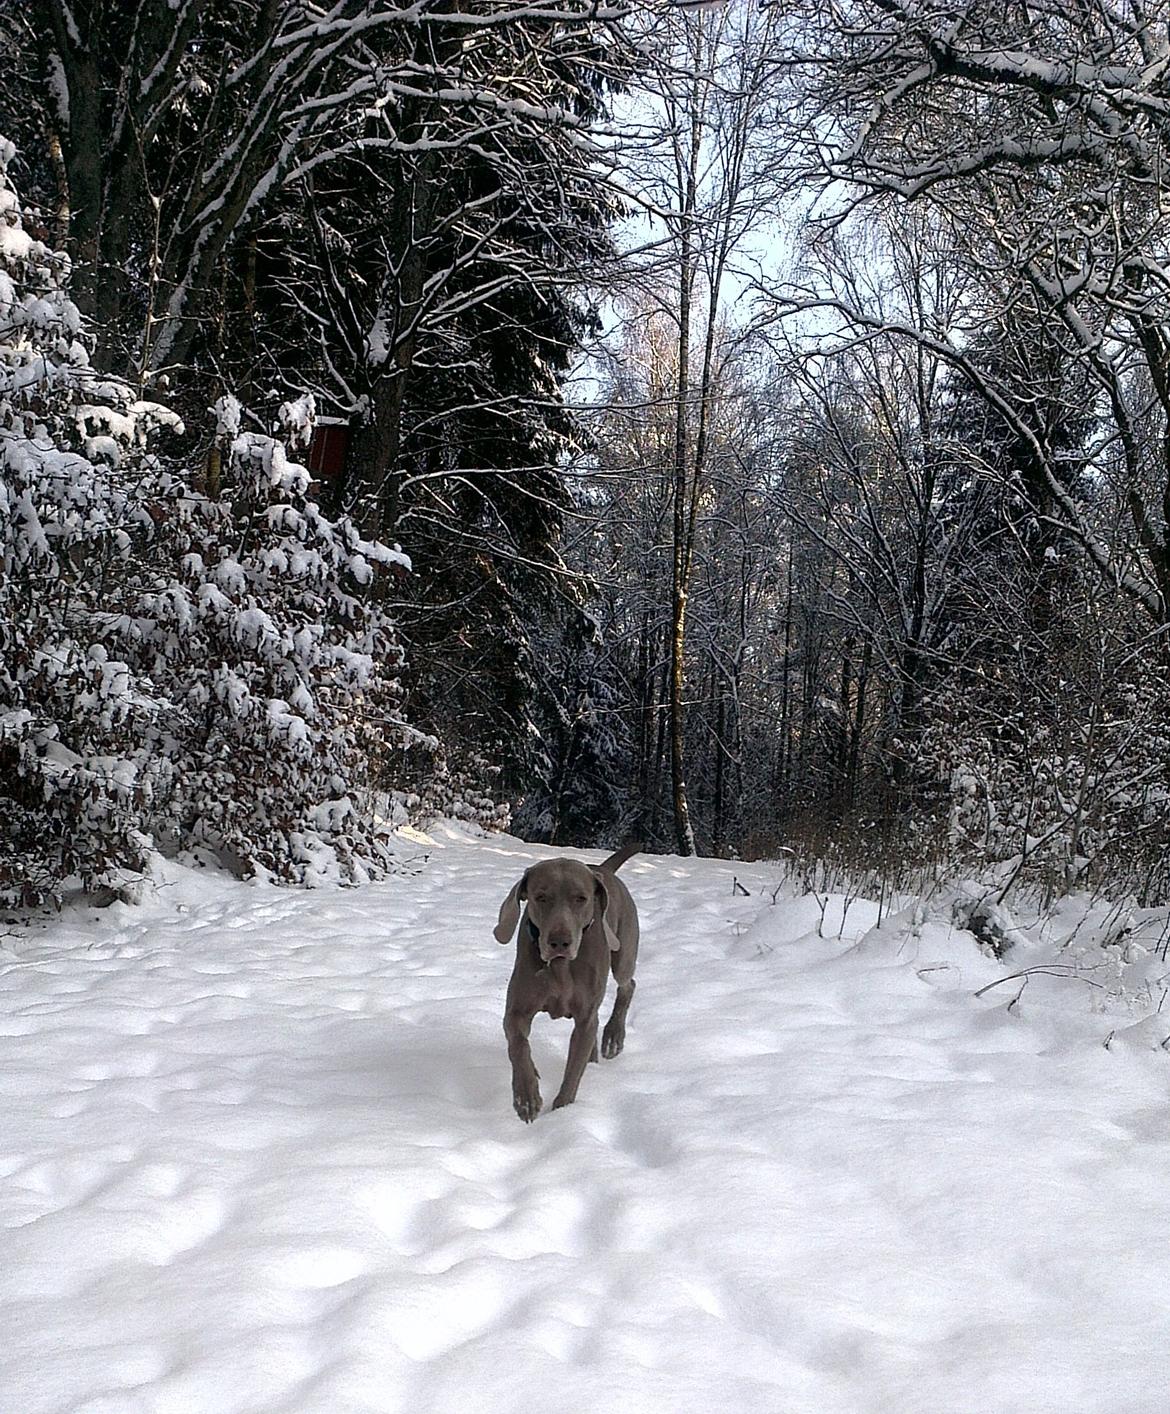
x: 565, y: 898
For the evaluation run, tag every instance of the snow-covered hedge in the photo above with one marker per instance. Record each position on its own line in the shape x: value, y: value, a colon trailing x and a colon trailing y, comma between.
x: 1065, y: 805
x: 199, y: 667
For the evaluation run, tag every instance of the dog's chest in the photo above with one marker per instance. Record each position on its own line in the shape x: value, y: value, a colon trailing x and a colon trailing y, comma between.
x: 559, y: 992
x: 568, y: 991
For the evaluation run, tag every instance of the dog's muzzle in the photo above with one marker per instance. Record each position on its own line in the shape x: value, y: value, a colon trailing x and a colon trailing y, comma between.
x: 550, y: 952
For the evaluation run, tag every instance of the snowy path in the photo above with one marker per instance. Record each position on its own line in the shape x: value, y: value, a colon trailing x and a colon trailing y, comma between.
x: 258, y: 1157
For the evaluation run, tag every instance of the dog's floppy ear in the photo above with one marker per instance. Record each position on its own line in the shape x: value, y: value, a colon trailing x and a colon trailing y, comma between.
x: 602, y: 891
x: 510, y: 909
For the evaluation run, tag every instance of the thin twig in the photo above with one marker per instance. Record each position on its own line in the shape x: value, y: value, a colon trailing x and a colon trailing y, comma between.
x: 1039, y: 972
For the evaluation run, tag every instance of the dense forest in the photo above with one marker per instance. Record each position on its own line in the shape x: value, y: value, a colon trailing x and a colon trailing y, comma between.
x: 743, y: 426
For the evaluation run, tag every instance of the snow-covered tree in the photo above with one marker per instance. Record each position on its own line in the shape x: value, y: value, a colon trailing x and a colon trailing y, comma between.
x: 433, y: 290
x: 1036, y: 136
x: 174, y: 666
x: 75, y: 503
x: 398, y: 207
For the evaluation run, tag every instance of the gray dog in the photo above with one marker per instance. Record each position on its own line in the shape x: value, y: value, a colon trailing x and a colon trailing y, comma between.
x: 579, y: 921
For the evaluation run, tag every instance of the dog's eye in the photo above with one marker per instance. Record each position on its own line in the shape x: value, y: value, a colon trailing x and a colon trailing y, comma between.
x: 580, y: 899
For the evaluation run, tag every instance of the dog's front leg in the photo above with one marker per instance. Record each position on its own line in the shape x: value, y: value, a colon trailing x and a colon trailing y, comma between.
x: 582, y: 1042
x: 525, y: 1089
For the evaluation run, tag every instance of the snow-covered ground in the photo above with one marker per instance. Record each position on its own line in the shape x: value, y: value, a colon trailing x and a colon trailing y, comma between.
x: 259, y: 1157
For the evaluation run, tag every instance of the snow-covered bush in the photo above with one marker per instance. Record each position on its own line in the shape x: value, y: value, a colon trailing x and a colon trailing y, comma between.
x: 430, y: 786
x: 1061, y: 804
x: 174, y: 665
x: 279, y: 662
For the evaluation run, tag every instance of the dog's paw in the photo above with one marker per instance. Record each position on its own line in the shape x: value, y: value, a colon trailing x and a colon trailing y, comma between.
x: 560, y: 1102
x: 613, y: 1038
x: 527, y: 1103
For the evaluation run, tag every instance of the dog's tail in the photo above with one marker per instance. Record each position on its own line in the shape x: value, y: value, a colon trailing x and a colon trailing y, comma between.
x: 615, y: 861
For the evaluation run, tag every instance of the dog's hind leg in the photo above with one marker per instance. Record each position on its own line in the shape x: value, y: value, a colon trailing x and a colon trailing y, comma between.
x: 613, y: 1038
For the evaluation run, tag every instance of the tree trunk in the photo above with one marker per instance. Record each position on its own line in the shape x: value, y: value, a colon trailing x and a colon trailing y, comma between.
x: 718, y: 843
x: 683, y: 830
